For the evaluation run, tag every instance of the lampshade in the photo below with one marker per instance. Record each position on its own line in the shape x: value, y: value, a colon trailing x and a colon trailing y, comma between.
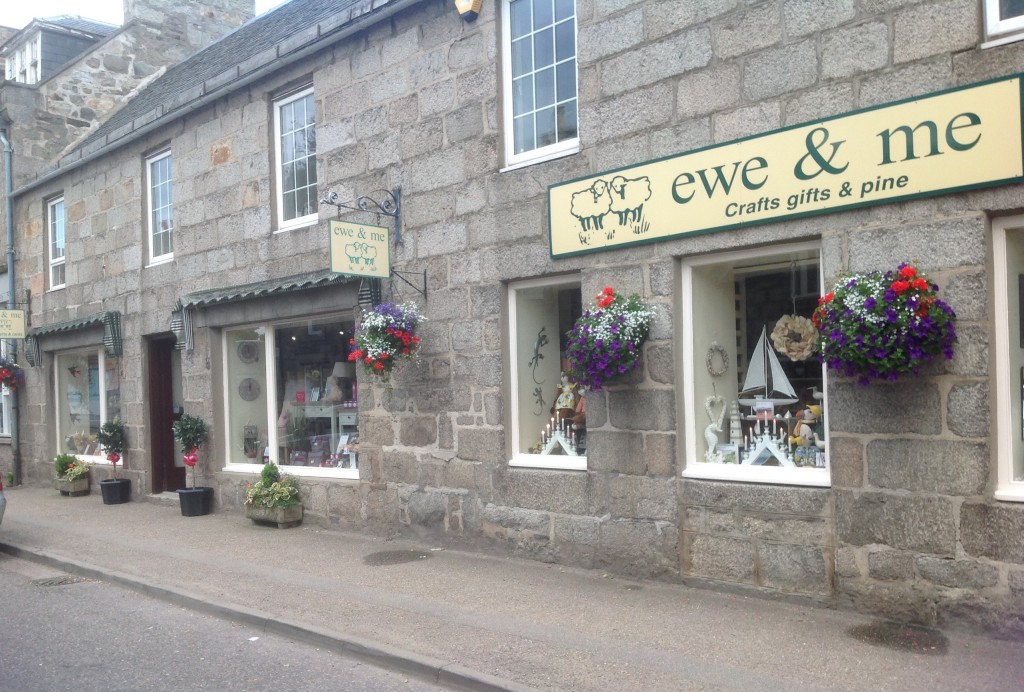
x: 344, y: 370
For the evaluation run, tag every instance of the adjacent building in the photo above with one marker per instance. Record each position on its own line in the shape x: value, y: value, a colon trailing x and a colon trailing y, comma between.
x: 725, y: 161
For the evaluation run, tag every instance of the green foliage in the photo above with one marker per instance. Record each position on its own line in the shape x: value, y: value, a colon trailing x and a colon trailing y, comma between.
x: 273, y: 489
x: 191, y: 431
x: 113, y: 435
x: 62, y: 462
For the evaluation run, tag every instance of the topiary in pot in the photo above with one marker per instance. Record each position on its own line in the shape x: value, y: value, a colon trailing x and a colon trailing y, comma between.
x: 191, y: 432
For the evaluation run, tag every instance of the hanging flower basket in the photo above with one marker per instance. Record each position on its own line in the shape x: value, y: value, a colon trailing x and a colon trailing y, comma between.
x: 606, y: 339
x: 11, y: 374
x: 879, y: 326
x: 386, y: 338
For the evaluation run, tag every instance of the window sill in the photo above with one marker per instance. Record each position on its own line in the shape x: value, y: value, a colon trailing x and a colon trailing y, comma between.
x: 818, y: 478
x: 549, y: 461
x: 295, y: 224
x: 160, y: 260
x: 1002, y: 41
x: 1013, y: 493
x: 575, y: 149
x: 297, y: 471
x: 56, y: 288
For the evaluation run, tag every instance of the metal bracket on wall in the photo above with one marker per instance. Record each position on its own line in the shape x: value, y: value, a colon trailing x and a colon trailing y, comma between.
x: 390, y: 204
x: 423, y: 274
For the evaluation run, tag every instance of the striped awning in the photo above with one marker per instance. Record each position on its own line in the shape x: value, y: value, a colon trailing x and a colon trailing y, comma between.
x: 110, y: 320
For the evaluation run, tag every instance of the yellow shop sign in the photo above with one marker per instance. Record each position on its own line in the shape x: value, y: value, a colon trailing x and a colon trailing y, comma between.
x: 359, y: 249
x: 12, y: 324
x: 954, y: 140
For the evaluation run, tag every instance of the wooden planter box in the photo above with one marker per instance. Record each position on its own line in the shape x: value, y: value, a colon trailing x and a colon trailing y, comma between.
x: 284, y: 517
x: 79, y: 486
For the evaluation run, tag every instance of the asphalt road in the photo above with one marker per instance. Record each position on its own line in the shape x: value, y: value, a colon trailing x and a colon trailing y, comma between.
x: 87, y: 635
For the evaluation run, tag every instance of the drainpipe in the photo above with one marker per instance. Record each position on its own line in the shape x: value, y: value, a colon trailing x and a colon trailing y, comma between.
x: 11, y: 304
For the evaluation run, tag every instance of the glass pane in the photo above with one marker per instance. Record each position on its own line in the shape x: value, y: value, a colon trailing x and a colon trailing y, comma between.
x: 522, y: 57
x: 311, y: 170
x: 545, y: 87
x: 564, y: 8
x: 566, y: 121
x: 311, y: 139
x: 1011, y: 8
x: 308, y: 110
x: 543, y: 49
x: 57, y: 275
x: 520, y: 18
x: 543, y: 316
x: 545, y: 127
x: 78, y: 401
x: 566, y: 80
x: 316, y: 395
x: 543, y: 12
x: 288, y: 177
x: 247, y: 394
x: 287, y: 148
x: 522, y: 95
x: 287, y: 118
x: 565, y: 45
x: 289, y: 206
x: 523, y: 133
x: 300, y: 174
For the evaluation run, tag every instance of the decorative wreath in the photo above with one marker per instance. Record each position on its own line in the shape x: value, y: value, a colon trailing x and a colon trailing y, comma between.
x: 717, y: 352
x: 795, y: 336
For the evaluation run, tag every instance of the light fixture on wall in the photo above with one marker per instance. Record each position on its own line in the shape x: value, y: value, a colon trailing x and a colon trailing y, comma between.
x: 469, y: 9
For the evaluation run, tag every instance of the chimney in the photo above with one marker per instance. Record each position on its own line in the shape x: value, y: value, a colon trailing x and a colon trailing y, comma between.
x: 192, y: 24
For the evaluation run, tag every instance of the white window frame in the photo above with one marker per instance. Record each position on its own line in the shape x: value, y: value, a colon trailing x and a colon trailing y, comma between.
x: 51, y: 226
x: 552, y: 151
x: 519, y: 457
x: 5, y: 396
x: 693, y: 464
x: 101, y: 457
x: 155, y: 191
x: 270, y: 372
x: 299, y: 221
x: 1007, y: 383
x: 999, y: 31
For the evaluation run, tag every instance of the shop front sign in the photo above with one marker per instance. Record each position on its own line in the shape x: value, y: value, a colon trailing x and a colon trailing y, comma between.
x: 12, y: 324
x: 959, y: 139
x: 359, y: 249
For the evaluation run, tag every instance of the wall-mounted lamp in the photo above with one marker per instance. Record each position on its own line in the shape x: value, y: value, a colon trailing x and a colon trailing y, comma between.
x: 469, y: 9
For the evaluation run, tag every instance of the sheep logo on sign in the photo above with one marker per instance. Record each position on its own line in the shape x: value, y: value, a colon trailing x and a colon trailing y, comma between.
x: 608, y: 206
x: 361, y: 252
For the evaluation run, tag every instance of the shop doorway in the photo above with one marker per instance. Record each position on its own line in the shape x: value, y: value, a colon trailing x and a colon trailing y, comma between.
x: 165, y: 407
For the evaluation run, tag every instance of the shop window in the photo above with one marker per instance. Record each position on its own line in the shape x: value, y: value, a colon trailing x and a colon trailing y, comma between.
x: 754, y: 389
x: 5, y: 399
x: 1004, y: 20
x: 548, y: 421
x: 160, y: 204
x: 295, y: 144
x: 88, y: 395
x: 55, y: 224
x: 1008, y: 303
x: 291, y: 397
x: 540, y: 94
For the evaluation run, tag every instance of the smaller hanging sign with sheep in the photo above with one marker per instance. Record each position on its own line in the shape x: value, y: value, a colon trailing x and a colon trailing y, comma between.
x: 359, y: 249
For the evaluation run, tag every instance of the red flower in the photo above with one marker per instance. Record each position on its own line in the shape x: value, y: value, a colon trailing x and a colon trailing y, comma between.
x: 368, y: 360
x: 920, y: 284
x: 827, y: 298
x: 900, y: 286
x: 378, y: 366
x: 405, y: 351
x: 415, y: 339
x: 113, y: 457
x: 908, y: 272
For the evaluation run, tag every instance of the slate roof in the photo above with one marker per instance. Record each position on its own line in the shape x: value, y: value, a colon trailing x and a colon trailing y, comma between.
x: 75, y: 23
x: 256, y: 36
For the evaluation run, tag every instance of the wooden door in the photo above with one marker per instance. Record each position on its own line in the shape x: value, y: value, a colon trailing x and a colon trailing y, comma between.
x: 164, y: 408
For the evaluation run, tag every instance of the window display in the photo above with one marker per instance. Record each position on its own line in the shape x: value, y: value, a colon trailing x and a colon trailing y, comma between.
x: 756, y: 387
x: 549, y: 425
x: 292, y: 395
x: 88, y: 395
x: 1008, y: 279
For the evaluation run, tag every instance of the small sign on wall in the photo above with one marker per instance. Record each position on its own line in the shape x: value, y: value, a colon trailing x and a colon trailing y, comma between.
x: 360, y: 249
x: 12, y: 324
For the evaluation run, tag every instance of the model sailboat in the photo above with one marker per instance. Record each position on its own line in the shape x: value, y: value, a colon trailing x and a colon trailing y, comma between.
x: 766, y: 380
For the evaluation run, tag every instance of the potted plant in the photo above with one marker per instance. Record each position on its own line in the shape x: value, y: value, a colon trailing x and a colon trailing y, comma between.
x: 72, y: 475
x: 274, y: 499
x: 607, y: 337
x: 386, y: 338
x: 192, y: 432
x: 113, y: 435
x: 881, y: 326
x: 11, y: 374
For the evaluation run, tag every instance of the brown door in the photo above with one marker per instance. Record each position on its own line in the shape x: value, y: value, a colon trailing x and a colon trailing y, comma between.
x: 165, y: 406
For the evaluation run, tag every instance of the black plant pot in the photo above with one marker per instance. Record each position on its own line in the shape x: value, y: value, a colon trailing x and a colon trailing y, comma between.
x: 116, y: 490
x: 195, y: 502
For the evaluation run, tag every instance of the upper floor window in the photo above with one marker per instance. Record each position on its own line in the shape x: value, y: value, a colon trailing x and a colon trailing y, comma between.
x: 160, y: 207
x: 548, y: 422
x: 295, y: 145
x: 540, y: 100
x: 1004, y: 20
x: 55, y: 224
x: 754, y: 391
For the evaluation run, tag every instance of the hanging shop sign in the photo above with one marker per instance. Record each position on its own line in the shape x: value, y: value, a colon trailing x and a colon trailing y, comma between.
x: 950, y: 141
x: 359, y: 249
x: 12, y: 324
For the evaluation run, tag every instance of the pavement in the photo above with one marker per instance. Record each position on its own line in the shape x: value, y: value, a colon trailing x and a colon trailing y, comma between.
x: 466, y: 620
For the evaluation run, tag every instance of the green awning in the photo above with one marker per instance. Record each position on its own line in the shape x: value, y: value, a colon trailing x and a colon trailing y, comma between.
x: 109, y: 320
x: 181, y: 319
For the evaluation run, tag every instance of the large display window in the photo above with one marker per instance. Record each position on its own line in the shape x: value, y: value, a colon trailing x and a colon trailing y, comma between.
x: 292, y: 396
x: 754, y: 389
x: 548, y: 422
x: 88, y: 395
x: 1008, y: 256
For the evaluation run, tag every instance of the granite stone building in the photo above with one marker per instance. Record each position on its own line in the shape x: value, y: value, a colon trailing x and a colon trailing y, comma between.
x: 726, y: 161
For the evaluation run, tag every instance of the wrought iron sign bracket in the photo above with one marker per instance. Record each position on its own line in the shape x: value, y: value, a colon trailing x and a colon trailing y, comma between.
x: 423, y: 275
x: 389, y: 204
